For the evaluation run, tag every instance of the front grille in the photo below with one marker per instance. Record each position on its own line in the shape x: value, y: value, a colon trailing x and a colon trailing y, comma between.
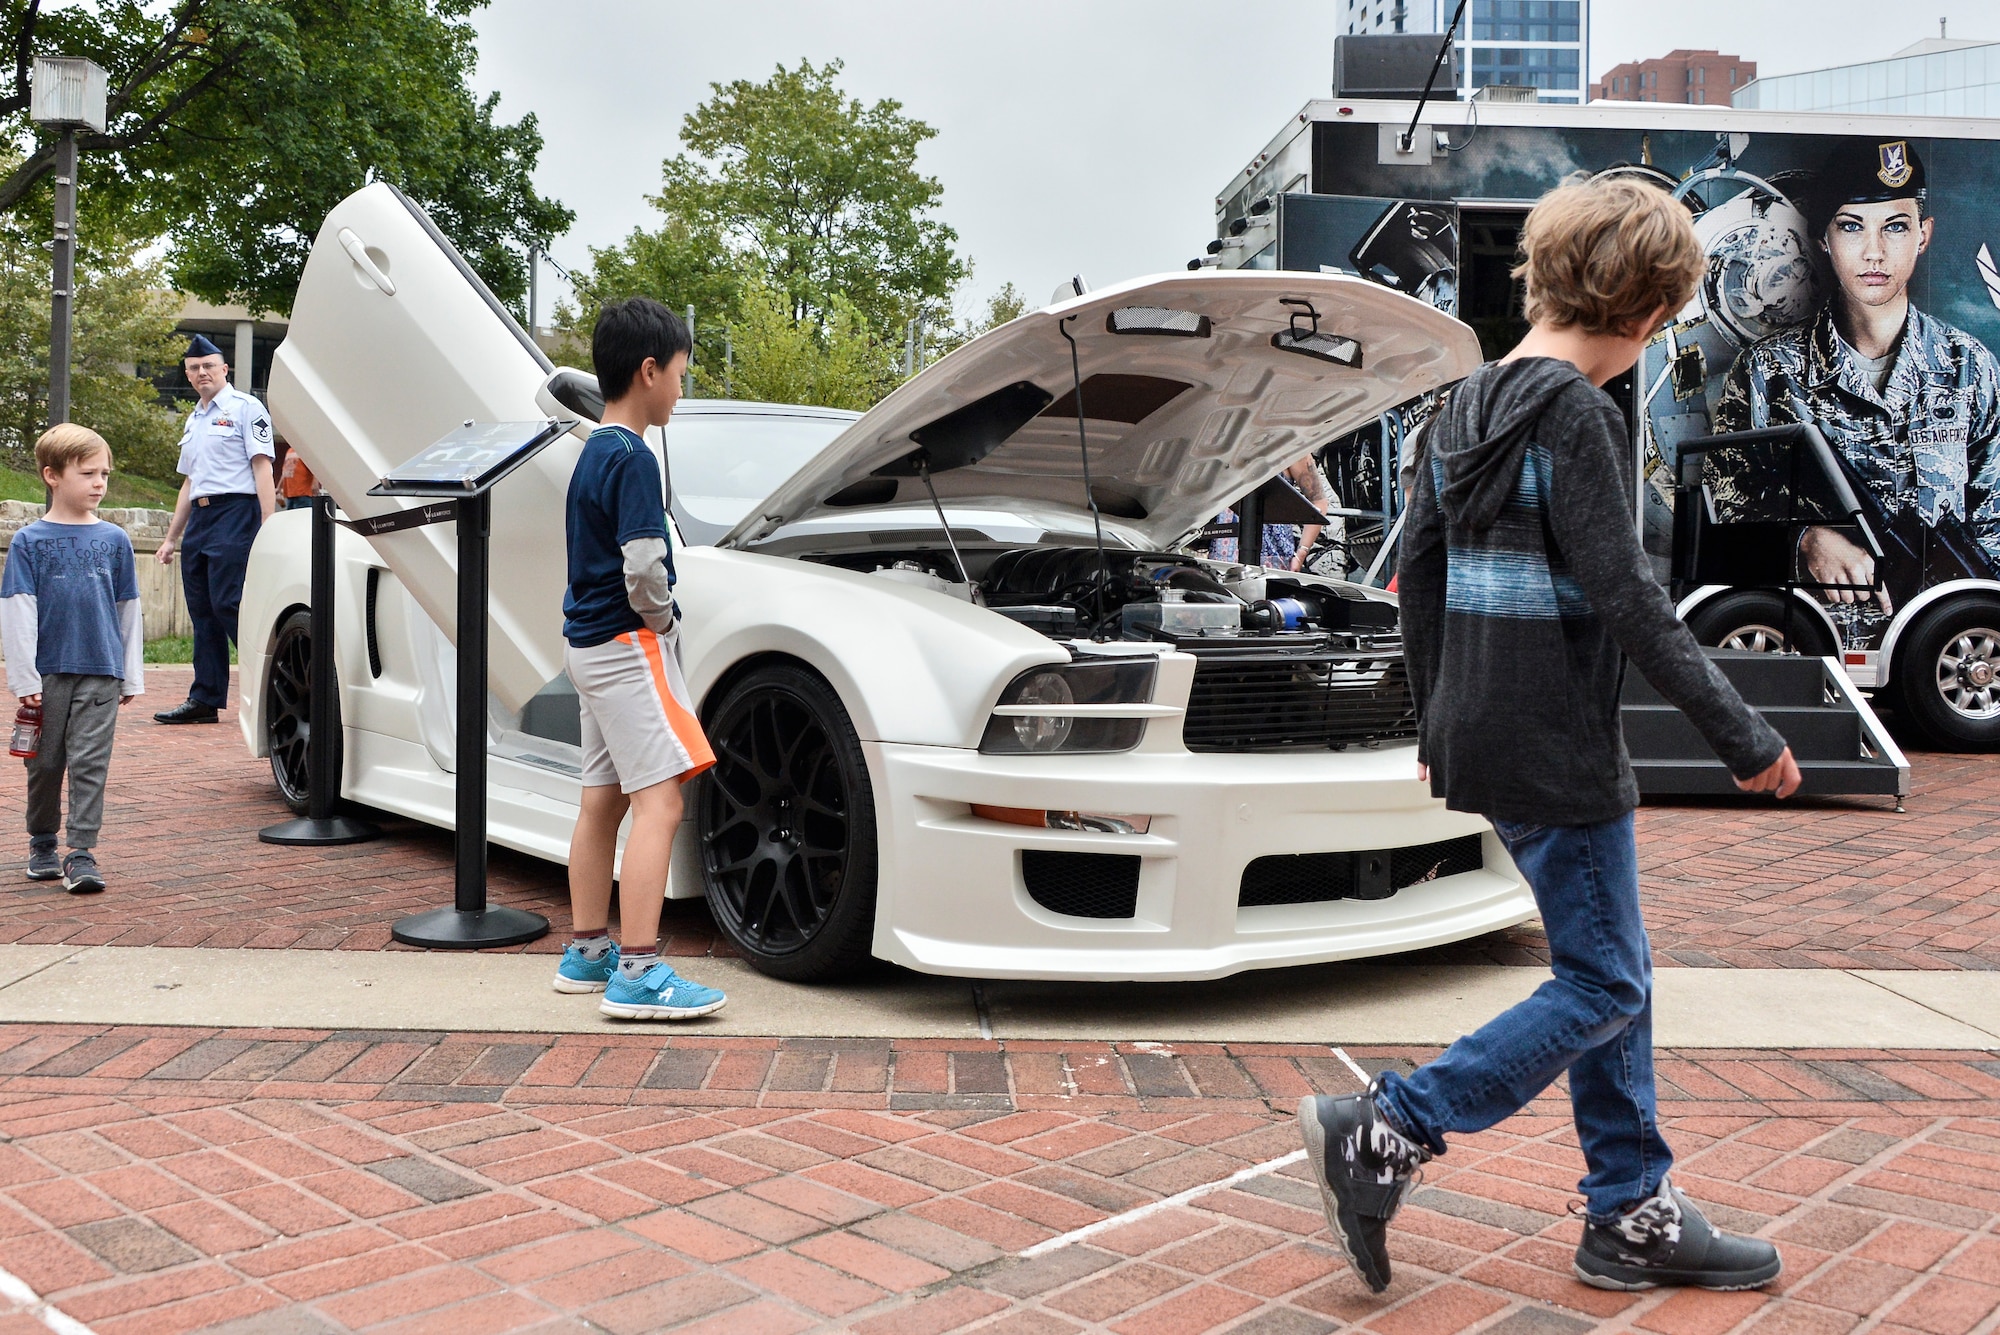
x: 1274, y: 699
x: 1082, y: 885
x: 1313, y: 878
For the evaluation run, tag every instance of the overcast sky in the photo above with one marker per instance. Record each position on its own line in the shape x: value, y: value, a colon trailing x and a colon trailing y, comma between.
x: 1087, y: 136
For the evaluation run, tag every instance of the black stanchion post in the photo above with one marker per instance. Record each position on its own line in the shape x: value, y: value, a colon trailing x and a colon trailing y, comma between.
x: 469, y: 924
x: 320, y: 825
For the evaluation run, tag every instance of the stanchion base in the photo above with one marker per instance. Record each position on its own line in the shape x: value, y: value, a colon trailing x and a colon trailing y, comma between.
x: 332, y: 830
x: 454, y: 929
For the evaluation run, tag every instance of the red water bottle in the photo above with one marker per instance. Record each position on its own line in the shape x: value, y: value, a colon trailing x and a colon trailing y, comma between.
x: 27, y: 731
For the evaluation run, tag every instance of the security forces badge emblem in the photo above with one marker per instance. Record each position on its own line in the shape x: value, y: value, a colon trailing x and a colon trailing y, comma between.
x: 1895, y: 169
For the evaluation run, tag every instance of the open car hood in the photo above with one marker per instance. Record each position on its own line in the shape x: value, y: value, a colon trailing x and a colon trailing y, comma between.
x: 1197, y: 387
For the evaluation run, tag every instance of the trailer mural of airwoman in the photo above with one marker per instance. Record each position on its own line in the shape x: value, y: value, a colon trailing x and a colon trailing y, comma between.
x: 1852, y: 284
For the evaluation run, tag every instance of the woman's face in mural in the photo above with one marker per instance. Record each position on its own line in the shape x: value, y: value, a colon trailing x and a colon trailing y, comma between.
x: 1874, y: 249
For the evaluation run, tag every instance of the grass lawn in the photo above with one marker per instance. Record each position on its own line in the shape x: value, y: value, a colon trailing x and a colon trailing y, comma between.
x: 128, y: 490
x: 176, y: 649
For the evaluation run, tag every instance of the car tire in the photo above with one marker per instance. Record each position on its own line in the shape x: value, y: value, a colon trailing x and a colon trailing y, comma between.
x: 287, y: 711
x: 786, y: 823
x: 1947, y: 674
x: 1755, y: 619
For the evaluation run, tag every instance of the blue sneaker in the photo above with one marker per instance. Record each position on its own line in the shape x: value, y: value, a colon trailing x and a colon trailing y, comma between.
x: 580, y: 973
x: 658, y: 994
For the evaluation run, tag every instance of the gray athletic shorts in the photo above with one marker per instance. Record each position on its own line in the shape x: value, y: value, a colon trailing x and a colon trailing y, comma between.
x: 639, y: 726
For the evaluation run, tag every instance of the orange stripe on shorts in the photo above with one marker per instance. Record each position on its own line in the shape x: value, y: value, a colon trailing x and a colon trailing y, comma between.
x: 685, y: 726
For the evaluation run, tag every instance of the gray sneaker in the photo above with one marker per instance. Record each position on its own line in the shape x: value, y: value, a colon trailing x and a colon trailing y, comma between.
x: 80, y: 874
x: 43, y: 864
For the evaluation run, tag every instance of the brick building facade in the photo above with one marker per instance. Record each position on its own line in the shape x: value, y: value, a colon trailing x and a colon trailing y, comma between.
x: 1694, y: 77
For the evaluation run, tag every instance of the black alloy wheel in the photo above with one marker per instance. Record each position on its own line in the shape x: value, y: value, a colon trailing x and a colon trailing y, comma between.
x: 288, y: 711
x: 1947, y: 674
x: 1756, y: 619
x: 786, y: 820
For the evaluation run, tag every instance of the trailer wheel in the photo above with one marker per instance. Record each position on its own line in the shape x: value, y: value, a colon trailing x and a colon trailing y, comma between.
x: 1947, y: 674
x: 1755, y: 619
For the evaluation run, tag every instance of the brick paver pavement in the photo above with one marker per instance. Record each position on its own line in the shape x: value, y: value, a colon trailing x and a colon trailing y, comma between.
x: 1817, y: 884
x: 154, y: 1181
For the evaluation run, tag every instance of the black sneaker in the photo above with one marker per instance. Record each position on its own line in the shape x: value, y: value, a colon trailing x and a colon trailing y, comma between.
x: 1665, y: 1240
x: 43, y: 864
x: 80, y: 874
x: 187, y: 712
x: 1365, y: 1168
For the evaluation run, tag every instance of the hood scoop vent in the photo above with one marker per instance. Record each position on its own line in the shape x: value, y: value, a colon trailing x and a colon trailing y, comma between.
x: 966, y: 435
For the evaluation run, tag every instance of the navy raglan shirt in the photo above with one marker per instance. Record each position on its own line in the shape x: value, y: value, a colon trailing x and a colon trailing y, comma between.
x: 615, y: 495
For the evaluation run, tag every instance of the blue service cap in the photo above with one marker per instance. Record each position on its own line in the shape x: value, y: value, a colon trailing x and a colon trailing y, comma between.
x: 199, y: 346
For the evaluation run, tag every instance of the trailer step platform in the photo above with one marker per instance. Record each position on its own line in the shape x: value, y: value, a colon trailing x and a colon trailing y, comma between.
x: 1840, y: 744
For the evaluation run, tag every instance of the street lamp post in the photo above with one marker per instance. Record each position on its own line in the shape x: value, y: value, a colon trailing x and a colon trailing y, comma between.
x: 69, y: 95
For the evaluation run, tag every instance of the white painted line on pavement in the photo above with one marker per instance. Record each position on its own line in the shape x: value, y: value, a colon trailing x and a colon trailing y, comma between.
x: 1139, y: 1212
x: 16, y: 1291
x: 1354, y: 1066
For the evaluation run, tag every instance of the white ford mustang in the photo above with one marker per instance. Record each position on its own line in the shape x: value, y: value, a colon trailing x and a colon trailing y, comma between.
x: 953, y: 732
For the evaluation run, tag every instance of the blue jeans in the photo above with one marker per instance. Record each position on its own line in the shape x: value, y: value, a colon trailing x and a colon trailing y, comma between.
x: 1594, y: 1018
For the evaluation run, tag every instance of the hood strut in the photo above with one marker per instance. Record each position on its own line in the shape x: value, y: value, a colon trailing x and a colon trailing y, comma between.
x: 1089, y: 491
x: 924, y: 472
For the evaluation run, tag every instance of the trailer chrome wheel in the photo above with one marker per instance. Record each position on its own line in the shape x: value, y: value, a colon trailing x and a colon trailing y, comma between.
x: 1758, y: 639
x: 1968, y: 672
x: 1754, y: 619
x: 1947, y: 673
x: 787, y: 826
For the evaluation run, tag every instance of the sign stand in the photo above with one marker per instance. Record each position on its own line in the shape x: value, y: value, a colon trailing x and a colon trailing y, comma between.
x: 320, y: 825
x: 466, y: 466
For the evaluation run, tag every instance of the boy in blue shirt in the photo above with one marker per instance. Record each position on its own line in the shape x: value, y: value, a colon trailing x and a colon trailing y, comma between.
x: 641, y: 739
x: 69, y: 612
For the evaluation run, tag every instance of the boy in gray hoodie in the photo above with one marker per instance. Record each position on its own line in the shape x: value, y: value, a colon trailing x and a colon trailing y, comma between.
x: 1524, y: 590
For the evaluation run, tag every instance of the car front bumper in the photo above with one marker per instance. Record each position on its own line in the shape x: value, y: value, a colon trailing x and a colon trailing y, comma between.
x: 955, y: 899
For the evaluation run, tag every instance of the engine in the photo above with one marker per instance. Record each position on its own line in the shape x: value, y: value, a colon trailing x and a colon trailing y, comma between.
x: 1166, y: 596
x: 1283, y: 662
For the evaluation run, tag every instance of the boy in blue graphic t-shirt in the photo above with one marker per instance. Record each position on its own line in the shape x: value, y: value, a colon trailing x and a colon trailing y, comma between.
x: 641, y: 739
x: 69, y: 611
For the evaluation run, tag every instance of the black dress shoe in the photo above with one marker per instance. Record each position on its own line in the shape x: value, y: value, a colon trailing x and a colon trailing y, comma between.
x: 188, y: 712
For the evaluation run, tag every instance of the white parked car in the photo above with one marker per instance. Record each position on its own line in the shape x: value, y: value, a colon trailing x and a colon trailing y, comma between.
x: 952, y: 731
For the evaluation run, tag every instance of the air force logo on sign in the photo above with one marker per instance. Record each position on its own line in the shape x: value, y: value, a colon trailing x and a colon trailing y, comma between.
x: 1895, y: 169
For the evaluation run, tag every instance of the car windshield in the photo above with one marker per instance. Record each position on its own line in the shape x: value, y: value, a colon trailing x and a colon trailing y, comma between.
x: 724, y: 463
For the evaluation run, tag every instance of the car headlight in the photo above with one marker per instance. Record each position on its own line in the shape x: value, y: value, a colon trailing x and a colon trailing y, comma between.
x: 1071, y: 707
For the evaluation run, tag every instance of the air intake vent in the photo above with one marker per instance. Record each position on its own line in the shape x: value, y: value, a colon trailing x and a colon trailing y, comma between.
x: 1314, y: 878
x: 1082, y: 885
x: 374, y: 644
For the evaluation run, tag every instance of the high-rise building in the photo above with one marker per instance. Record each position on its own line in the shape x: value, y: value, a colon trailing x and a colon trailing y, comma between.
x: 1699, y: 78
x: 1539, y: 44
x: 1935, y: 77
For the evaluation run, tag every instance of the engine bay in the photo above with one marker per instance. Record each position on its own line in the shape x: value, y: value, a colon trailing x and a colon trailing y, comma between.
x: 1064, y: 592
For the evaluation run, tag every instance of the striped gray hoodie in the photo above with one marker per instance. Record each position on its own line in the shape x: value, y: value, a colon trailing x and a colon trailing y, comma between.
x: 1524, y: 588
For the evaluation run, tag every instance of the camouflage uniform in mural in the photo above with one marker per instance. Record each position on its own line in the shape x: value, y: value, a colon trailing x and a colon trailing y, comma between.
x: 1928, y: 445
x: 1922, y: 451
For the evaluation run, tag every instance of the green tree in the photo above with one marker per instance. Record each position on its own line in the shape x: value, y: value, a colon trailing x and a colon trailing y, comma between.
x: 821, y: 192
x: 124, y: 321
x: 789, y: 189
x: 836, y: 362
x: 235, y: 125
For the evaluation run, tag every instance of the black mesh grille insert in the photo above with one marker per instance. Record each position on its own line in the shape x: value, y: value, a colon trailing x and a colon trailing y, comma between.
x: 1312, y: 878
x: 1280, y: 701
x: 1082, y: 885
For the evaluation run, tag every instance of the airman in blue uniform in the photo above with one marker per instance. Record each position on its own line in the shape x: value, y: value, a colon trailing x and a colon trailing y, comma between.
x: 227, y: 450
x: 1909, y: 404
